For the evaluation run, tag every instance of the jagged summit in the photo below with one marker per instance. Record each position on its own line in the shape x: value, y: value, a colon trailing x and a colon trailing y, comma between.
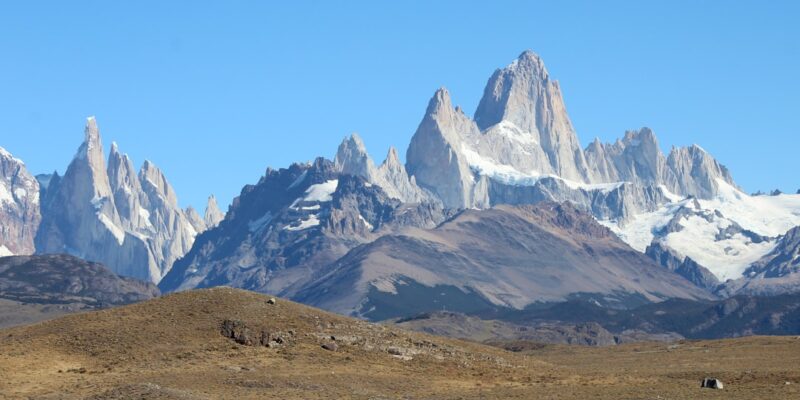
x: 92, y: 146
x: 352, y: 159
x: 129, y: 222
x: 392, y: 158
x: 213, y: 216
x: 523, y: 94
x: 531, y: 64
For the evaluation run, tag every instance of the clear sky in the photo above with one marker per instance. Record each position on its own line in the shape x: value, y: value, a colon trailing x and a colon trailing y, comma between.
x: 215, y: 92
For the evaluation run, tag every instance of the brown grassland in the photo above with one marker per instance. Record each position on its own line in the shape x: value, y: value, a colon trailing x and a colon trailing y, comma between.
x: 172, y: 348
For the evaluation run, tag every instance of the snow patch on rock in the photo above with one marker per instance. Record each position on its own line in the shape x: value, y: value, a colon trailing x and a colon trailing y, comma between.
x: 321, y: 192
x: 5, y: 194
x: 4, y: 251
x: 310, y: 222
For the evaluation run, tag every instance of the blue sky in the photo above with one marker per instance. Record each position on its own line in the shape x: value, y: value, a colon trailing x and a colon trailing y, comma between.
x: 214, y: 93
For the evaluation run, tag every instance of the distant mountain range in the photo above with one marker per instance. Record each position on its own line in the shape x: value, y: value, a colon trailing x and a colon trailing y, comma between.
x: 100, y: 211
x: 499, y: 211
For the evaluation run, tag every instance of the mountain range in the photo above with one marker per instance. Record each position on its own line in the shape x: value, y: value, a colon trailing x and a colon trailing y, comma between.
x: 501, y: 210
x: 99, y: 210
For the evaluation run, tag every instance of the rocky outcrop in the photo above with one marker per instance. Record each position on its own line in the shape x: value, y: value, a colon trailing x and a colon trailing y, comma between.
x: 19, y: 206
x: 683, y: 266
x: 130, y: 222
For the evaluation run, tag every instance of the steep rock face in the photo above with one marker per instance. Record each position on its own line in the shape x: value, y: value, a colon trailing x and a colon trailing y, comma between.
x: 522, y: 140
x: 169, y: 232
x: 195, y: 220
x: 504, y: 257
x: 697, y: 173
x: 434, y: 156
x: 524, y: 95
x: 635, y: 158
x: 683, y: 266
x: 127, y: 190
x: 391, y: 176
x: 213, y: 215
x: 130, y: 222
x: 279, y: 232
x: 19, y: 206
x: 80, y: 217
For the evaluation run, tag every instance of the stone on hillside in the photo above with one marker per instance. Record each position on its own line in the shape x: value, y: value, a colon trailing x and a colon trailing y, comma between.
x: 238, y: 331
x: 711, y: 383
x: 332, y: 346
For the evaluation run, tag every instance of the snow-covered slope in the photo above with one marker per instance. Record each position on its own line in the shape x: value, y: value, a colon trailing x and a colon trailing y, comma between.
x: 725, y: 234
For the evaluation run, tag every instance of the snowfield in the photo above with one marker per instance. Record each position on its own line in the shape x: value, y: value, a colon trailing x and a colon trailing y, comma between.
x: 4, y: 251
x: 310, y: 222
x: 702, y: 235
x: 511, y: 176
x: 322, y: 191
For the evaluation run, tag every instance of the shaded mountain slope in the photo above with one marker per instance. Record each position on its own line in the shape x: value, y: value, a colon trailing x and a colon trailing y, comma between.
x: 508, y: 256
x: 282, y: 230
x: 60, y: 278
x: 733, y: 317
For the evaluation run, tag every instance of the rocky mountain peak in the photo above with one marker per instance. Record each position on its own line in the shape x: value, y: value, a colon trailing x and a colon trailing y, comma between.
x: 19, y: 206
x: 697, y: 173
x: 434, y: 155
x: 352, y: 158
x: 92, y: 147
x: 112, y: 215
x: 152, y: 178
x: 125, y: 187
x: 524, y: 95
x: 636, y: 138
x: 213, y: 215
x: 440, y: 103
x: 392, y: 160
x: 530, y: 64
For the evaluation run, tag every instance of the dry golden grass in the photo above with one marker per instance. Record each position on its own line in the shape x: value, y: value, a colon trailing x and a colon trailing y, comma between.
x: 172, y: 348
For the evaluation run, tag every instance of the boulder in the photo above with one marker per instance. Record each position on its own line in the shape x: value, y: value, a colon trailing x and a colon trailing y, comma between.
x: 711, y: 383
x: 332, y: 346
x: 238, y: 331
